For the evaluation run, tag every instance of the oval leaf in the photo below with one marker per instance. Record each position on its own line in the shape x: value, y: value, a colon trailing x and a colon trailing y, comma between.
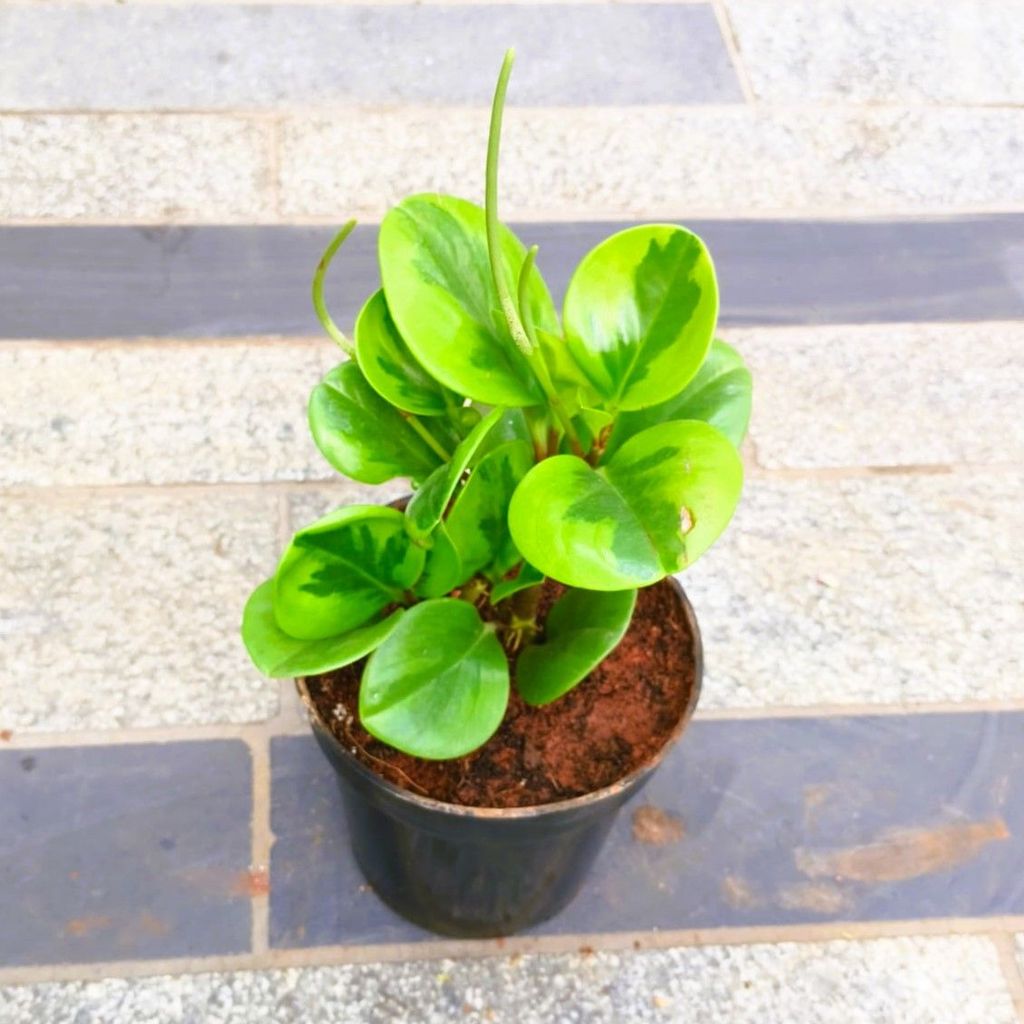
x: 439, y: 288
x: 341, y: 571
x: 281, y: 656
x: 639, y: 314
x: 392, y: 369
x: 720, y: 394
x: 427, y: 505
x: 478, y: 521
x: 442, y: 572
x: 438, y: 687
x: 363, y: 436
x: 657, y: 505
x: 582, y: 629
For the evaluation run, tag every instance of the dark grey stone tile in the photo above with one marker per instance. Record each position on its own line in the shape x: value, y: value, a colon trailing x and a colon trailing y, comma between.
x: 124, y: 852
x: 230, y: 281
x: 749, y: 822
x: 210, y: 56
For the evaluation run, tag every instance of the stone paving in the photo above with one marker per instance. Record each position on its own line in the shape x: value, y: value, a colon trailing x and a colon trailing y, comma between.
x: 849, y: 796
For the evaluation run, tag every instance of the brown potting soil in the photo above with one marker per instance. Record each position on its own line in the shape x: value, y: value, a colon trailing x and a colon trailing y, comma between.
x: 607, y: 726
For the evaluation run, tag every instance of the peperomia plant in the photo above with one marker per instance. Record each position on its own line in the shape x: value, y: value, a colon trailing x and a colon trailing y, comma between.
x: 600, y: 452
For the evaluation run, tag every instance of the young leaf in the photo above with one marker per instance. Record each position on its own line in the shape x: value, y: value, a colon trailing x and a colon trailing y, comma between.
x: 281, y: 656
x: 658, y: 504
x: 582, y: 629
x: 443, y: 571
x: 363, y: 436
x: 437, y: 688
x: 427, y: 505
x: 720, y: 394
x: 341, y: 571
x: 527, y: 577
x: 478, y: 521
x: 391, y: 368
x: 639, y: 314
x: 441, y: 294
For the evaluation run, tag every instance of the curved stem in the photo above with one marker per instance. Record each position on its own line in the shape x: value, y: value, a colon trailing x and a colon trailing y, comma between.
x: 319, y: 304
x: 429, y: 438
x: 508, y: 306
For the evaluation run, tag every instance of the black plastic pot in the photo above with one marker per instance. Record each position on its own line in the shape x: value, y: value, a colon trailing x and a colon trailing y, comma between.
x: 476, y: 872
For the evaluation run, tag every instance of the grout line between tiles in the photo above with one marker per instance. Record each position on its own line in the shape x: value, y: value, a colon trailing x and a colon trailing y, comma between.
x: 1012, y: 971
x: 262, y: 840
x: 435, y: 948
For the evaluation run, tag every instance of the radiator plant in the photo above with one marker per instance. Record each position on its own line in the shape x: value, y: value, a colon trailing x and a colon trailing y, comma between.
x: 599, y: 451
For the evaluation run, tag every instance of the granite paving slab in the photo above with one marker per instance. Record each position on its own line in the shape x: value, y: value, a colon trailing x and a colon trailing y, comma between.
x: 220, y: 281
x: 124, y: 852
x: 122, y: 610
x: 780, y: 821
x: 132, y: 58
x: 912, y: 980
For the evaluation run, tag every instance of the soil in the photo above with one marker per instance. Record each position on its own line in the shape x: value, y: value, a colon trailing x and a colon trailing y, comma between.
x: 610, y: 724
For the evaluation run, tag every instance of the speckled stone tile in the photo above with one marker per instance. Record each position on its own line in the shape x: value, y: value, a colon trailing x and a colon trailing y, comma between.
x: 861, y: 51
x: 886, y: 395
x: 241, y: 56
x: 308, y: 505
x: 911, y: 980
x: 123, y: 610
x: 880, y: 589
x: 154, y: 413
x: 123, y: 852
x: 668, y: 160
x: 135, y: 167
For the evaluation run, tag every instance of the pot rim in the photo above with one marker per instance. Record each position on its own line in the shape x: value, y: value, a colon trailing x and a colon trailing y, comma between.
x: 538, y: 810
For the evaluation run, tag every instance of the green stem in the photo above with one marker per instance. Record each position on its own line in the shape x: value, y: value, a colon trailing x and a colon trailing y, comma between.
x: 427, y: 436
x: 536, y: 358
x: 508, y: 306
x: 319, y: 304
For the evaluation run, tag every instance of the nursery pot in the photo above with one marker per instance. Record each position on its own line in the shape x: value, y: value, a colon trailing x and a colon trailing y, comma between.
x: 475, y: 871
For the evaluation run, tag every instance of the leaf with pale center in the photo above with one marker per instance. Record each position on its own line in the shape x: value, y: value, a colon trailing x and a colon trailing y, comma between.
x: 720, y: 394
x: 438, y: 686
x: 362, y: 435
x: 639, y: 314
x: 340, y: 572
x: 656, y: 506
x: 581, y: 630
x: 281, y: 656
x: 441, y: 294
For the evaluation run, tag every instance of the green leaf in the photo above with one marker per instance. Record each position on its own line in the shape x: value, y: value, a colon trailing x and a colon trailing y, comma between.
x: 438, y: 686
x: 281, y: 656
x: 720, y: 394
x: 443, y: 570
x: 582, y: 629
x: 528, y: 577
x: 392, y: 369
x: 360, y: 434
x: 341, y: 571
x: 639, y: 314
x: 478, y: 520
x: 439, y: 288
x: 658, y: 504
x: 427, y: 505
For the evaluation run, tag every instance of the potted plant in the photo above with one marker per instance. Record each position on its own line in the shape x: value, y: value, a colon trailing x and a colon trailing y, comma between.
x: 497, y: 663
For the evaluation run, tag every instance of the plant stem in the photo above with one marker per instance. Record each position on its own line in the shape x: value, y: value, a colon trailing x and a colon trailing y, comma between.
x: 508, y: 306
x: 429, y: 438
x: 326, y: 321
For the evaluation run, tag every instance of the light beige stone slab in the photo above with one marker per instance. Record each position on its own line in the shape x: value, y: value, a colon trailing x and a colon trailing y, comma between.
x: 124, y: 610
x: 159, y: 413
x: 877, y: 590
x: 637, y: 162
x: 164, y: 168
x: 862, y: 51
x: 886, y: 395
x: 910, y: 980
